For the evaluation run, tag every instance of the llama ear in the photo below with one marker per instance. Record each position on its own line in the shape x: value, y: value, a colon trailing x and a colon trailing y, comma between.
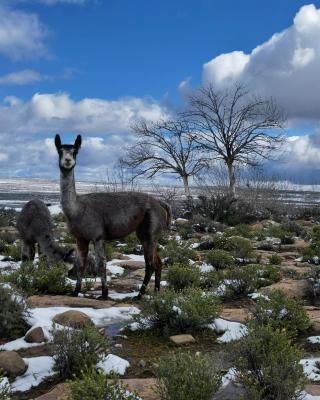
x: 57, y: 142
x: 77, y: 143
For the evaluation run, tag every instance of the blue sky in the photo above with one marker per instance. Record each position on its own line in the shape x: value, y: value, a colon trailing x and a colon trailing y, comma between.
x: 93, y: 66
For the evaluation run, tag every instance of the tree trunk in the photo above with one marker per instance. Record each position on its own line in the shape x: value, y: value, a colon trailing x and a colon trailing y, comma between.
x: 232, y: 180
x: 185, y: 179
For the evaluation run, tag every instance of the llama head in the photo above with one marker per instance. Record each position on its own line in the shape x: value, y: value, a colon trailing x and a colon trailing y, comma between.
x: 67, y: 153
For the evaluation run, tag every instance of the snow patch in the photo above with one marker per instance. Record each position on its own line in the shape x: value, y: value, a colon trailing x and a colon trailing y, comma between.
x: 232, y: 330
x: 113, y: 364
x: 310, y: 369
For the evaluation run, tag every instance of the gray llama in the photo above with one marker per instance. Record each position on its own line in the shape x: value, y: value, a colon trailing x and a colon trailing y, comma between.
x: 105, y: 216
x: 35, y: 225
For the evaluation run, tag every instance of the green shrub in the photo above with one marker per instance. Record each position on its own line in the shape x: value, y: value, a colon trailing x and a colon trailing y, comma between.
x: 186, y: 377
x: 219, y: 259
x: 131, y: 241
x: 281, y: 312
x: 13, y: 251
x: 279, y: 232
x: 243, y: 230
x: 268, y: 365
x: 173, y: 312
x: 94, y: 386
x: 275, y: 259
x: 108, y: 250
x: 185, y: 231
x: 5, y: 389
x: 41, y: 278
x: 267, y: 274
x: 69, y: 239
x: 178, y: 254
x: 8, y: 217
x: 8, y: 237
x: 294, y: 228
x: 211, y: 279
x: 239, y: 247
x: 3, y: 245
x: 13, y: 313
x: 75, y: 351
x: 182, y: 276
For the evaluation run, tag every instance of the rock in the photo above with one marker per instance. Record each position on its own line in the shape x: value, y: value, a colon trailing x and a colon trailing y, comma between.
x: 12, y: 363
x: 182, y: 339
x: 36, y: 335
x: 294, y: 288
x: 67, y: 301
x: 132, y: 265
x: 314, y: 315
x: 59, y: 392
x: 119, y: 256
x: 207, y: 245
x: 73, y: 318
x: 312, y: 389
x: 231, y: 391
x: 235, y: 314
x: 142, y: 364
x: 144, y: 387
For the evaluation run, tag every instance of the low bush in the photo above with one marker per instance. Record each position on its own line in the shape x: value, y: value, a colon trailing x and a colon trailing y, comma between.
x: 173, y: 312
x: 131, y: 242
x: 243, y: 230
x: 219, y: 259
x: 314, y: 280
x: 8, y: 217
x: 242, y: 280
x: 8, y: 237
x: 13, y: 251
x: 94, y: 386
x: 186, y: 377
x: 284, y: 235
x: 41, y: 278
x: 268, y: 365
x: 185, y: 231
x: 178, y: 254
x: 5, y: 390
x: 281, y: 312
x: 294, y: 228
x: 239, y: 247
x: 13, y: 313
x: 181, y: 276
x: 275, y: 259
x: 75, y: 351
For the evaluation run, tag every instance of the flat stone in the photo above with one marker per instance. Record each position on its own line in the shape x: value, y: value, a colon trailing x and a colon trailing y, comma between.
x: 312, y: 389
x: 182, y: 339
x: 144, y: 387
x: 119, y: 256
x: 59, y: 392
x: 293, y: 288
x: 12, y: 363
x: 68, y: 301
x: 73, y: 319
x: 235, y: 314
x: 36, y: 335
x: 131, y: 264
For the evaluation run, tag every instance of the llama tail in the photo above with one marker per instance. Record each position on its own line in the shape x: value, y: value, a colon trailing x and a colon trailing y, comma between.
x: 168, y: 211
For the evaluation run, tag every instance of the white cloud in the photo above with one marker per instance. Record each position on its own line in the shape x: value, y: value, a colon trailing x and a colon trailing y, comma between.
x: 27, y: 129
x: 22, y: 34
x: 24, y: 77
x: 285, y: 67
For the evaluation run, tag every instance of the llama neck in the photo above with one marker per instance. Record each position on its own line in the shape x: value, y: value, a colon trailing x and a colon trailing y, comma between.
x: 68, y: 192
x: 49, y: 248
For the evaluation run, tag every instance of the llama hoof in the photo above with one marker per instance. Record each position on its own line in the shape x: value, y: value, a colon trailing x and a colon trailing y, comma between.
x: 75, y: 294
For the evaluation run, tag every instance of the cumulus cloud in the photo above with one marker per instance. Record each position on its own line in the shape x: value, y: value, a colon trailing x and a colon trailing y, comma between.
x: 285, y: 67
x: 27, y: 129
x: 22, y: 35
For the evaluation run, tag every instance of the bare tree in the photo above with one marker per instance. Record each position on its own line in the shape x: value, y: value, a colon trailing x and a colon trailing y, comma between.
x: 165, y: 147
x: 236, y: 126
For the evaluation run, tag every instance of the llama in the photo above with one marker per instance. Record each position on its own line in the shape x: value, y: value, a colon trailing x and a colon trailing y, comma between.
x: 35, y: 226
x: 96, y: 217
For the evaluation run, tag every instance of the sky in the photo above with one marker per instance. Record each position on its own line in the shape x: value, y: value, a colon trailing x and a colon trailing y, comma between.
x: 95, y: 66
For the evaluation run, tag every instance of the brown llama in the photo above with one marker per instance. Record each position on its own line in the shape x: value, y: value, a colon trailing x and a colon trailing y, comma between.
x: 96, y: 217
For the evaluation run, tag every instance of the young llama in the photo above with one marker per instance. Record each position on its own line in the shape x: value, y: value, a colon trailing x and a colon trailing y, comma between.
x: 35, y: 225
x: 97, y: 217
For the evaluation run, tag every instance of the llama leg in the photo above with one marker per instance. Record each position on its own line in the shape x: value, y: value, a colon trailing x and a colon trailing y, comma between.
x: 149, y: 250
x: 158, y: 268
x: 83, y: 247
x: 100, y: 259
x: 27, y: 251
